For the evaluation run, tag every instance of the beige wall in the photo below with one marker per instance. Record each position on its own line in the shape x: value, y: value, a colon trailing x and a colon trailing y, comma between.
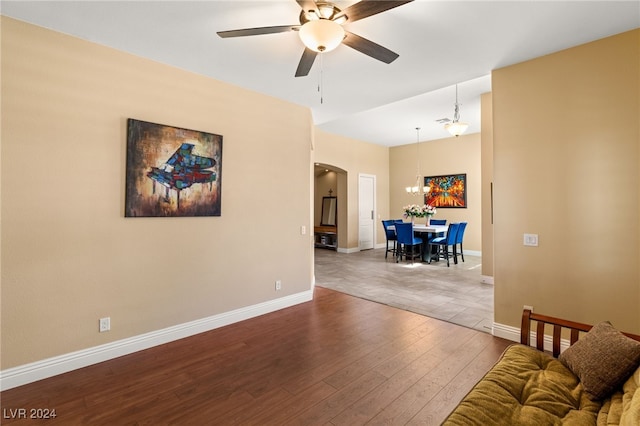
x: 355, y: 157
x: 566, y: 139
x: 69, y: 256
x: 440, y: 157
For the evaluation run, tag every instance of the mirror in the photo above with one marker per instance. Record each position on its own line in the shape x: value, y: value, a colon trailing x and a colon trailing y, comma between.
x: 328, y: 211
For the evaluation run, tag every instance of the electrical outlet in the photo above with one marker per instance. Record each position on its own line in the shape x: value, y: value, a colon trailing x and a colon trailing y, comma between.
x: 278, y: 285
x: 105, y: 324
x: 528, y: 307
x: 303, y: 230
x: 531, y: 240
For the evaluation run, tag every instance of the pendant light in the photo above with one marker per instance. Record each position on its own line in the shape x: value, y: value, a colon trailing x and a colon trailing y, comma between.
x: 419, y: 188
x: 456, y: 127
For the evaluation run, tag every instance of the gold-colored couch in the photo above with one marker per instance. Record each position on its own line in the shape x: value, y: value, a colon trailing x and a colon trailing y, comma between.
x: 528, y: 386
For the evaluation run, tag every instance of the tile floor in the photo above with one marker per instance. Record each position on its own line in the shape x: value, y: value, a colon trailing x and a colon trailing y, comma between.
x: 455, y: 294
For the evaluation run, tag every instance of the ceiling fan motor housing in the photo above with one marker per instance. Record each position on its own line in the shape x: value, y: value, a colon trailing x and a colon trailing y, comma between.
x: 324, y: 11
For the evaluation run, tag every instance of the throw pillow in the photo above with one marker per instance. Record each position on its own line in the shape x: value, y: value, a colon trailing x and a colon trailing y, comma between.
x: 602, y: 359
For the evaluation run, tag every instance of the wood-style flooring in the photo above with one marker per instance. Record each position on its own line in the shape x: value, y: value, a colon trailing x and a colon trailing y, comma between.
x: 337, y: 360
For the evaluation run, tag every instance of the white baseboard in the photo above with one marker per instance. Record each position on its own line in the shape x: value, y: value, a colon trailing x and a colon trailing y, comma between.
x: 513, y: 334
x: 21, y: 375
x: 486, y: 279
x: 506, y: 332
x: 348, y: 250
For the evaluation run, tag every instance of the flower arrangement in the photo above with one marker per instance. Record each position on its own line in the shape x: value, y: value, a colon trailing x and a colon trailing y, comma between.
x: 414, y: 210
x: 429, y: 210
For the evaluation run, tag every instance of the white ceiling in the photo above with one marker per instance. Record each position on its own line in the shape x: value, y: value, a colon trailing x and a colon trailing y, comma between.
x: 440, y: 43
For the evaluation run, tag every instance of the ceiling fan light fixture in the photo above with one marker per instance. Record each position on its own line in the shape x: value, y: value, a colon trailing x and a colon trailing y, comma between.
x: 322, y: 35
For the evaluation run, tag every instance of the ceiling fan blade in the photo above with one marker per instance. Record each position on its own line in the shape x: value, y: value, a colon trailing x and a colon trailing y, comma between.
x: 258, y: 31
x: 365, y: 8
x: 307, y: 5
x: 369, y: 48
x: 304, y: 66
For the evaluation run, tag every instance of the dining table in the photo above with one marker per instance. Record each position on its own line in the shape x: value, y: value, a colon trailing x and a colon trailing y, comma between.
x: 430, y: 231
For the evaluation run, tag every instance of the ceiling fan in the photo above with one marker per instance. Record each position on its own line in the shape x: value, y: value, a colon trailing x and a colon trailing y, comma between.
x: 321, y: 30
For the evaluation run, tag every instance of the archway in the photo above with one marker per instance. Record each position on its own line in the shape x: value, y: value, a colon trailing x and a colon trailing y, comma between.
x: 331, y: 181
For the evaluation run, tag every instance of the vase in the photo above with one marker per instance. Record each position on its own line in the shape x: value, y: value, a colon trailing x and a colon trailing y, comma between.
x: 428, y: 220
x: 413, y: 220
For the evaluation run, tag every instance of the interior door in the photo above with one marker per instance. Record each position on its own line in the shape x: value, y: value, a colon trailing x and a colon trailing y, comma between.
x: 366, y: 211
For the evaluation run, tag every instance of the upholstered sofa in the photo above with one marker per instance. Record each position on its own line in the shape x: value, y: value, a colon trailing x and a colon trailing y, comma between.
x: 595, y: 381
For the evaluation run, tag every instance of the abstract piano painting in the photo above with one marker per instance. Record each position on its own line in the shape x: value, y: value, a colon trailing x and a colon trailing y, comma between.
x: 172, y: 171
x: 446, y: 191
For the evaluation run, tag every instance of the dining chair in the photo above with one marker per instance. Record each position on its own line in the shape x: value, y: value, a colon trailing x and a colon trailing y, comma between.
x: 438, y: 222
x: 406, y: 241
x: 443, y: 244
x: 459, y: 237
x: 391, y: 237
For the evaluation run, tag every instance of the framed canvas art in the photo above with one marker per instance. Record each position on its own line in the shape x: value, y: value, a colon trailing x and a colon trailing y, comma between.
x: 446, y: 191
x: 172, y: 171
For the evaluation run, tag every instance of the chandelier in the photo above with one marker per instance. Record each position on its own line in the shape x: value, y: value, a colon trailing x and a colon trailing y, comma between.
x: 419, y: 188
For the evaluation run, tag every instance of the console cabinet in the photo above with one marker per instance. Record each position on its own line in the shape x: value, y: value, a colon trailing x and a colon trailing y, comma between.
x: 326, y: 237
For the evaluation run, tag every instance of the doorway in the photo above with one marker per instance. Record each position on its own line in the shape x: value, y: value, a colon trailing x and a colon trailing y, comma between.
x: 330, y: 183
x: 366, y: 211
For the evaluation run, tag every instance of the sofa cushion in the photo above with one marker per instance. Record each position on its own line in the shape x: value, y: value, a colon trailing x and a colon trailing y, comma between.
x: 631, y: 401
x: 526, y: 387
x: 623, y: 406
x: 603, y: 359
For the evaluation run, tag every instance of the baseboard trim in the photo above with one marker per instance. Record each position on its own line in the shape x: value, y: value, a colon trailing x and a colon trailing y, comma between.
x: 348, y: 250
x: 506, y: 332
x: 486, y: 279
x: 28, y: 373
x: 513, y: 334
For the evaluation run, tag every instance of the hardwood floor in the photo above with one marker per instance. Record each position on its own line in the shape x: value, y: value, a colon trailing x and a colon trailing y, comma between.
x: 337, y: 360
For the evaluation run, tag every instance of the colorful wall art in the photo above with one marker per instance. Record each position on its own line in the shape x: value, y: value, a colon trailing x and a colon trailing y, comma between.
x: 172, y: 171
x: 446, y: 191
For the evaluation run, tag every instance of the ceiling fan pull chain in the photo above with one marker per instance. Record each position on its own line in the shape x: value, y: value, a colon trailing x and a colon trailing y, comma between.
x: 320, y: 88
x: 320, y: 85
